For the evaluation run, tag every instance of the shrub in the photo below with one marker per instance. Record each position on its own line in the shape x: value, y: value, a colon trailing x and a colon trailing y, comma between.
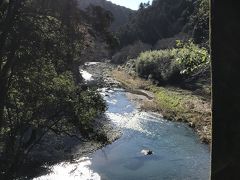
x: 171, y: 65
x: 159, y: 65
x: 191, y: 57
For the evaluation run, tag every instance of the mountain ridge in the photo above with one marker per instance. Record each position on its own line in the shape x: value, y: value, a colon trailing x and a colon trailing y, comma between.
x: 121, y: 14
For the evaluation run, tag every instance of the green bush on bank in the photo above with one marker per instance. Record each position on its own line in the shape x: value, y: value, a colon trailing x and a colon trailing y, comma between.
x: 158, y: 65
x: 191, y: 57
x: 171, y: 65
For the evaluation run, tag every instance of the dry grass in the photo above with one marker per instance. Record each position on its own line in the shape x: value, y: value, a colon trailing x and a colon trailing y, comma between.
x: 130, y: 82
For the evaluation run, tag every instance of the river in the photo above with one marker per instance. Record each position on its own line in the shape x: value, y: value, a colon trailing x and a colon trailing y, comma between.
x: 177, y: 151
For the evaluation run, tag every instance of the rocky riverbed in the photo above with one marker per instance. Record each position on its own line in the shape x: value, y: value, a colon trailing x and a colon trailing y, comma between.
x: 100, y: 74
x: 102, y: 77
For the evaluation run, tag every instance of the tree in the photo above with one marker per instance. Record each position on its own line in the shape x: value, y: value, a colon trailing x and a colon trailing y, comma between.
x: 101, y: 20
x: 200, y: 22
x: 10, y: 13
x: 144, y: 5
x: 42, y: 42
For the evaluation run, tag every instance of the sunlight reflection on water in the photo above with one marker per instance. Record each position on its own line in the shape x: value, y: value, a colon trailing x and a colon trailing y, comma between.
x: 72, y: 171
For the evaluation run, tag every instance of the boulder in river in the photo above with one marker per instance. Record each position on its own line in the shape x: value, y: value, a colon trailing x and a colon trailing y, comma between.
x: 146, y: 152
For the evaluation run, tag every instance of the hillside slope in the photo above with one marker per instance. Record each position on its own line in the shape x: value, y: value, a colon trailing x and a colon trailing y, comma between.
x: 121, y: 14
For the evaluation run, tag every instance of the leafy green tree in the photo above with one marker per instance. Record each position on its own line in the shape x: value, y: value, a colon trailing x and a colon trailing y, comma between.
x: 41, y: 45
x: 10, y: 14
x: 199, y: 22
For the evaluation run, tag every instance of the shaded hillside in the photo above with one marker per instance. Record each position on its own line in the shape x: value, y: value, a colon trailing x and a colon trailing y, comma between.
x: 165, y: 19
x: 175, y: 36
x: 121, y: 14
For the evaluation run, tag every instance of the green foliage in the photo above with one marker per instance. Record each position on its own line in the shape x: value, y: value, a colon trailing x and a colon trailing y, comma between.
x: 164, y: 19
x: 158, y: 65
x: 199, y: 22
x: 169, y: 100
x: 171, y: 64
x: 89, y: 104
x: 191, y: 57
x: 41, y: 45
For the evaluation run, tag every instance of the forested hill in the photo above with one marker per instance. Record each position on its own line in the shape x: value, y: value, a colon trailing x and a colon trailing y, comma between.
x: 168, y: 41
x: 120, y: 14
x: 164, y: 19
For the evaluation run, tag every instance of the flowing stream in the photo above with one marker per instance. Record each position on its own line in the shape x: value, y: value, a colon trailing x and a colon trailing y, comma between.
x: 178, y: 154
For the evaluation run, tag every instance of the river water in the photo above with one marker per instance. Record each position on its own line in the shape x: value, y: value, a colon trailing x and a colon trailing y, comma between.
x: 177, y: 152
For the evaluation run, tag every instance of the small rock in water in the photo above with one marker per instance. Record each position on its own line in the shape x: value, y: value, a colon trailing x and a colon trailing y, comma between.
x: 110, y: 91
x: 146, y: 152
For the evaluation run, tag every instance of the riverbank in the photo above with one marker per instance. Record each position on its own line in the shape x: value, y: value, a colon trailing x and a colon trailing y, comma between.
x: 173, y: 103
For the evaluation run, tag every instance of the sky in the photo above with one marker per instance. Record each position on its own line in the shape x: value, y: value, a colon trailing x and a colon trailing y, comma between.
x: 132, y: 4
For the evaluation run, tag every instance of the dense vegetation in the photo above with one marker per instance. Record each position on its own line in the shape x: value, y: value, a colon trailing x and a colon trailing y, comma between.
x: 164, y: 50
x: 174, y: 42
x: 164, y: 19
x: 121, y: 14
x: 172, y: 65
x: 41, y: 43
x: 160, y: 20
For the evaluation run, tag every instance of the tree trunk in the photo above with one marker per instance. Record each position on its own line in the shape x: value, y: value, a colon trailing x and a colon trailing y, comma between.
x: 12, y: 12
x: 5, y: 73
x: 3, y: 94
x: 77, y: 76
